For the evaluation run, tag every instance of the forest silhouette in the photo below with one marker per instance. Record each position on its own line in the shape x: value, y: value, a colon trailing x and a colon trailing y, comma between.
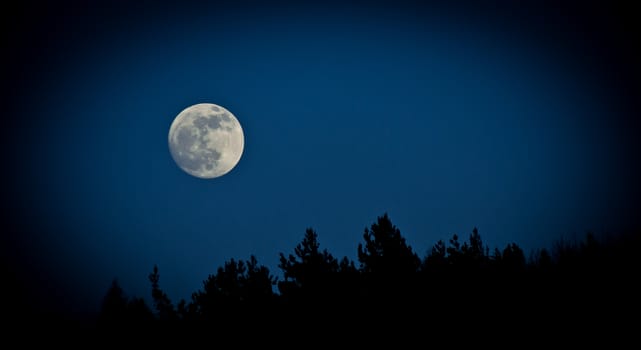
x: 592, y: 283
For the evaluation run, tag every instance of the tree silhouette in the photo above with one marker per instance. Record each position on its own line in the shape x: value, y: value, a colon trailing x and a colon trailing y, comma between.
x: 454, y: 252
x: 542, y: 260
x: 309, y: 272
x: 385, y: 251
x: 114, y: 305
x: 513, y: 258
x: 437, y: 256
x: 388, y: 267
x: 258, y: 283
x: 234, y: 290
x: 118, y: 310
x: 454, y: 283
x: 315, y: 282
x: 475, y: 253
x: 162, y: 303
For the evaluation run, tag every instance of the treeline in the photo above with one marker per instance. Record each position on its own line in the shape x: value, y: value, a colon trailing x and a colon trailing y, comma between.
x: 456, y: 280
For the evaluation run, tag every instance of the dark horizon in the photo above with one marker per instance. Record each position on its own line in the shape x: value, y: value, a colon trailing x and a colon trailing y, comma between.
x: 548, y: 274
x: 575, y: 286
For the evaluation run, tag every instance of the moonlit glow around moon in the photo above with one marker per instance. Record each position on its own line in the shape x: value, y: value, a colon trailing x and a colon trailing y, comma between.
x: 206, y: 140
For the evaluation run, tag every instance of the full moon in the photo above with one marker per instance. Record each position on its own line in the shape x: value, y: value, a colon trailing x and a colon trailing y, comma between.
x: 206, y: 140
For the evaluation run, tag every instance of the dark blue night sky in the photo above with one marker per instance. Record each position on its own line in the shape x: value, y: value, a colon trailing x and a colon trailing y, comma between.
x: 521, y: 121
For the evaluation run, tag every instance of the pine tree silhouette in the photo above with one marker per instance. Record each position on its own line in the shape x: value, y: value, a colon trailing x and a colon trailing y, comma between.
x: 389, y: 269
x: 239, y: 289
x: 385, y: 251
x: 164, y: 308
x: 457, y: 283
x: 308, y: 273
x: 119, y: 311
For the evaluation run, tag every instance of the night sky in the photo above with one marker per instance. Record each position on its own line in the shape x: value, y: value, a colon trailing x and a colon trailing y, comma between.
x: 521, y: 120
